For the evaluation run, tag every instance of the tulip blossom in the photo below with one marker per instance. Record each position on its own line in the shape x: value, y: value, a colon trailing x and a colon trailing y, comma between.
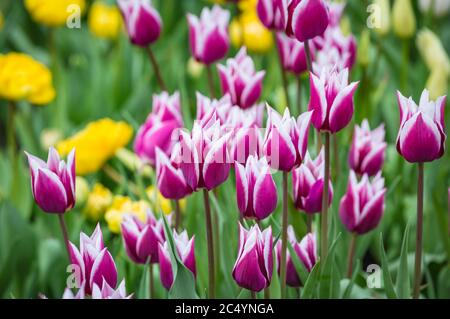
x: 53, y: 183
x: 141, y: 239
x: 208, y: 34
x: 142, y: 21
x: 240, y: 80
x: 308, y: 182
x: 292, y: 54
x: 254, y: 264
x: 273, y: 13
x: 421, y: 137
x: 331, y: 100
x: 345, y: 45
x: 185, y: 249
x: 306, y: 251
x: 206, y: 107
x: 368, y: 149
x: 336, y: 9
x: 286, y: 139
x: 95, y: 263
x: 362, y: 206
x: 256, y: 191
x: 105, y: 292
x: 307, y: 19
x: 158, y: 128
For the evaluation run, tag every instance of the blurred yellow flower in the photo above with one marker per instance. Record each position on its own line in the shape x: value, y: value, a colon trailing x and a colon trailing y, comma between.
x: 50, y: 137
x: 194, y: 68
x: 81, y: 190
x: 160, y: 203
x: 248, y: 30
x: 23, y: 78
x: 432, y: 51
x: 96, y: 144
x: 437, y: 83
x: 105, y: 21
x: 54, y: 13
x: 403, y: 19
x: 384, y: 17
x: 363, y: 55
x: 98, y: 201
x: 121, y: 206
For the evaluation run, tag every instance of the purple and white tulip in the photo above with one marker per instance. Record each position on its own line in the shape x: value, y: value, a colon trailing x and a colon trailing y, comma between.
x: 286, y: 139
x: 240, y: 80
x: 368, y: 149
x: 273, y: 13
x: 208, y: 35
x: 292, y: 53
x: 94, y: 261
x: 159, y: 126
x: 141, y: 239
x: 206, y: 107
x: 331, y: 100
x: 105, y: 292
x: 53, y: 183
x: 254, y: 264
x: 306, y: 250
x: 142, y: 21
x: 362, y: 206
x: 186, y: 251
x: 421, y: 137
x: 307, y: 19
x: 307, y: 184
x: 256, y: 191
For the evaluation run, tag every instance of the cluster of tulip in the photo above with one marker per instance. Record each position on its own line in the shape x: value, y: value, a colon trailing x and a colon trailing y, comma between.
x: 228, y: 133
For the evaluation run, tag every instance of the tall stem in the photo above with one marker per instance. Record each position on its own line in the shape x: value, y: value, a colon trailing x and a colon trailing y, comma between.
x: 299, y: 94
x: 253, y: 294
x: 159, y: 78
x: 64, y: 233
x: 309, y: 220
x: 283, y: 75
x: 308, y: 56
x: 284, y: 237
x: 152, y: 285
x: 212, y: 90
x: 324, y: 226
x: 209, y: 239
x: 11, y: 131
x: 351, y: 254
x: 177, y: 214
x: 418, y: 259
x: 336, y: 157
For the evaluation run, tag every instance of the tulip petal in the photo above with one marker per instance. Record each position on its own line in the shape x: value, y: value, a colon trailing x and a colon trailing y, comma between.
x: 165, y: 266
x: 318, y: 102
x: 264, y: 195
x: 216, y: 166
x: 104, y: 268
x: 341, y: 112
x: 50, y: 193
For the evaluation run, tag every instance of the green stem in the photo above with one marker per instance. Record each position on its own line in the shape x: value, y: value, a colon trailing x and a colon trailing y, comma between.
x: 309, y: 220
x: 308, y: 56
x: 210, y: 243
x: 159, y: 78
x: 324, y: 226
x: 177, y: 215
x: 418, y: 257
x: 210, y: 81
x: 11, y: 131
x: 284, y: 237
x: 152, y: 285
x: 351, y: 254
x: 62, y: 224
x: 299, y: 94
x: 253, y: 294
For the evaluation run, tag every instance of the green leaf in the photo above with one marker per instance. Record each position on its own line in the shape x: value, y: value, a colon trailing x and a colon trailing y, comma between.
x: 184, y: 282
x: 348, y: 289
x: 311, y: 283
x: 144, y: 284
x: 326, y: 280
x: 298, y: 265
x: 402, y: 283
x: 387, y: 279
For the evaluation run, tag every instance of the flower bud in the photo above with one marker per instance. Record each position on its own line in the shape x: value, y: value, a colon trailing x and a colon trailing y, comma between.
x: 403, y: 18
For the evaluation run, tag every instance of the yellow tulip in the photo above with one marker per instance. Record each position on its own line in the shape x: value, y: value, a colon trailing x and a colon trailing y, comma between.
x: 403, y: 19
x: 437, y: 83
x: 98, y: 201
x: 121, y: 206
x: 248, y: 30
x: 54, y: 13
x: 432, y: 51
x: 160, y: 203
x: 383, y: 24
x: 96, y: 144
x: 23, y: 78
x: 105, y: 21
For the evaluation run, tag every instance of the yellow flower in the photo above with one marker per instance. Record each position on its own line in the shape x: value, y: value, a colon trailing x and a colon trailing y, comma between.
x: 54, y: 13
x: 104, y: 20
x: 432, y: 51
x: 160, y: 203
x: 98, y: 201
x: 96, y: 144
x: 248, y: 30
x: 383, y: 17
x: 121, y: 206
x: 194, y: 68
x: 403, y: 19
x: 437, y: 83
x: 23, y: 78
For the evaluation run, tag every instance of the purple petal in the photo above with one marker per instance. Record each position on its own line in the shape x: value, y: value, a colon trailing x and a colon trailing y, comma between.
x: 104, y: 268
x: 341, y: 112
x: 50, y: 193
x: 310, y: 19
x: 165, y: 267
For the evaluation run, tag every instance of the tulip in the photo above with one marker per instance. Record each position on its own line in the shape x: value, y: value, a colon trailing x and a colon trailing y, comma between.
x: 306, y: 251
x: 256, y: 191
x: 368, y: 149
x: 286, y: 139
x: 185, y: 249
x: 292, y: 54
x: 53, y: 183
x: 94, y: 261
x: 403, y: 19
x: 384, y: 17
x: 362, y: 206
x: 437, y: 83
x: 141, y: 239
x: 254, y: 264
x: 433, y: 52
x: 105, y: 292
x: 208, y: 34
x: 206, y: 107
x: 421, y: 136
x: 307, y: 19
x: 336, y: 9
x: 273, y: 13
x: 331, y: 100
x: 157, y: 130
x: 438, y: 8
x: 239, y: 79
x: 308, y: 182
x: 142, y: 21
